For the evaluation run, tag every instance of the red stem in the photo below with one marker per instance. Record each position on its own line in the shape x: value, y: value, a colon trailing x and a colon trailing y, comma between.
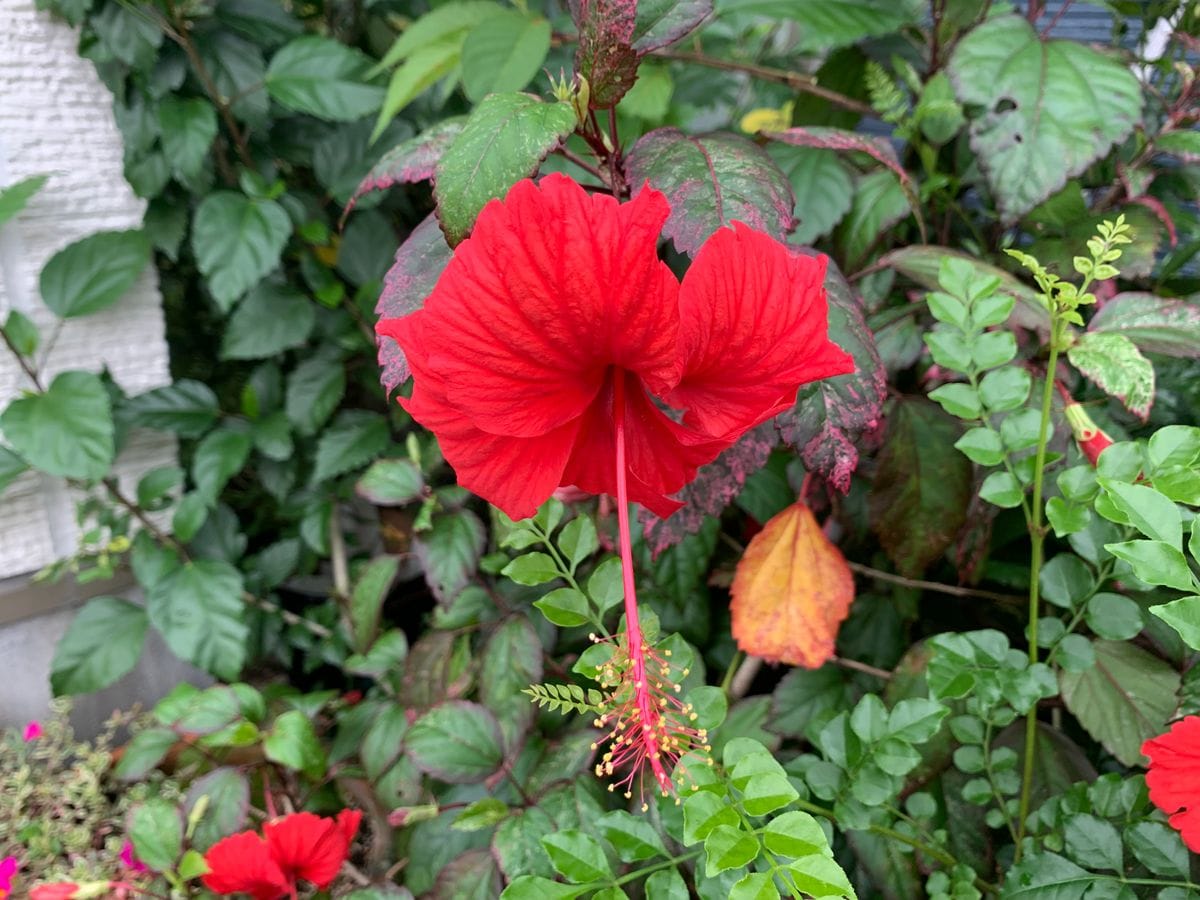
x: 633, y: 627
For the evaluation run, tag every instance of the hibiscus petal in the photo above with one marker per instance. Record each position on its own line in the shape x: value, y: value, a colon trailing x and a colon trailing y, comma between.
x: 1174, y: 777
x: 348, y: 821
x: 754, y: 328
x: 307, y: 846
x: 515, y: 474
x: 241, y: 863
x: 661, y: 455
x: 552, y: 287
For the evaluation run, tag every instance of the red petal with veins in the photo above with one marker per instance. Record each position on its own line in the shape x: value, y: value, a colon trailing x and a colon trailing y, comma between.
x: 308, y: 846
x: 1174, y: 777
x: 242, y: 863
x: 754, y: 328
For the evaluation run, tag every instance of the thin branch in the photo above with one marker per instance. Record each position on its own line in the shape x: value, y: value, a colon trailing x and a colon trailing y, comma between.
x: 1057, y: 16
x: 160, y: 536
x: 857, y: 666
x: 919, y: 584
x: 287, y: 615
x: 798, y: 81
x: 579, y: 161
x: 28, y: 369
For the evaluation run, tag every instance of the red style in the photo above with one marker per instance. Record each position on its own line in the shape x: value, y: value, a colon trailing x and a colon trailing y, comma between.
x: 1174, y: 777
x: 299, y: 847
x: 558, y: 302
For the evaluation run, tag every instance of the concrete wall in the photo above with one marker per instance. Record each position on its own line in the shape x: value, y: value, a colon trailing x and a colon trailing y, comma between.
x: 56, y: 118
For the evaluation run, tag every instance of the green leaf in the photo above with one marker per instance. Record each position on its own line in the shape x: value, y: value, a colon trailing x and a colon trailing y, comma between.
x: 198, y: 609
x: 577, y: 856
x: 702, y: 812
x: 1147, y: 510
x: 237, y: 241
x: 66, y: 431
x: 190, y: 515
x: 450, y: 551
x: 879, y: 203
x: 578, y: 540
x: 534, y: 887
x: 314, y: 390
x: 1154, y: 324
x: 981, y: 445
x: 1159, y: 849
x: 293, y: 743
x: 14, y: 197
x: 1093, y: 842
x: 795, y: 834
x: 1125, y: 699
x: 22, y: 334
x: 188, y: 408
x: 1117, y: 367
x: 155, y: 829
x: 1184, y: 616
x: 504, y: 140
x: 383, y: 742
x: 503, y: 54
x: 324, y: 78
x: 12, y: 467
x: 755, y: 886
x: 565, y: 607
x: 145, y: 751
x: 634, y: 839
x: 226, y: 793
x: 1066, y: 580
x: 453, y: 19
x: 959, y: 400
x: 710, y: 181
x: 390, y: 482
x: 219, y: 456
x: 1049, y: 108
x: 919, y: 499
x: 103, y: 643
x: 367, y: 597
x: 822, y: 183
x: 271, y: 319
x: 1155, y: 563
x: 94, y: 273
x: 727, y: 847
x: 481, y: 814
x: 385, y: 655
x: 605, y: 585
x: 420, y: 71
x: 1114, y: 617
x: 1047, y: 876
x: 457, y: 742
x: 1005, y: 389
x: 915, y: 720
x: 353, y: 439
x: 820, y: 876
x: 662, y: 22
x: 833, y: 23
x: 1001, y: 489
x: 531, y: 569
x: 187, y: 128
x: 511, y: 662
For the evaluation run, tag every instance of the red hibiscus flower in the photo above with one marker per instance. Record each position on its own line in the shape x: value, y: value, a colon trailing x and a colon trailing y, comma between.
x: 59, y: 890
x: 299, y: 847
x: 555, y: 323
x: 1174, y: 777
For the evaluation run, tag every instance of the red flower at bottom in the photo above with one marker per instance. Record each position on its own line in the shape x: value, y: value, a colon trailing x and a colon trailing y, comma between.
x: 302, y: 846
x: 1174, y: 777
x: 59, y: 890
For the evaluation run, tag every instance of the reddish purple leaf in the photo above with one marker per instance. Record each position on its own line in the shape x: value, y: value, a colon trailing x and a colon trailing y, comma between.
x: 832, y: 417
x: 1154, y: 324
x: 409, y: 162
x: 419, y: 263
x: 713, y: 489
x: 663, y: 22
x: 605, y: 56
x: 710, y: 181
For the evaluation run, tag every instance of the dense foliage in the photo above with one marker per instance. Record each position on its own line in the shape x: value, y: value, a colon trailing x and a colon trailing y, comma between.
x: 1023, y: 612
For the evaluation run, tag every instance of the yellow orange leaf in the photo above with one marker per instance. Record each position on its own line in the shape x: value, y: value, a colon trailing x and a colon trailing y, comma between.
x: 767, y: 119
x: 791, y: 591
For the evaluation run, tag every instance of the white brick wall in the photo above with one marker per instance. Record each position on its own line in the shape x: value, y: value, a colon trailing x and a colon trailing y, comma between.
x: 56, y: 118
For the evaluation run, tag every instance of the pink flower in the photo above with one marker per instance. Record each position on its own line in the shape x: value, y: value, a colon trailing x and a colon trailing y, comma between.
x: 32, y: 732
x: 129, y: 859
x: 8, y: 868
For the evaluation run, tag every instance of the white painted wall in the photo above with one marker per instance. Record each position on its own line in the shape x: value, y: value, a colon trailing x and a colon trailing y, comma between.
x: 56, y: 118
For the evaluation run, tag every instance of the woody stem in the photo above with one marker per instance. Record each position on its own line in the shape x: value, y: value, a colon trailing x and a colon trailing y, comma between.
x: 648, y: 714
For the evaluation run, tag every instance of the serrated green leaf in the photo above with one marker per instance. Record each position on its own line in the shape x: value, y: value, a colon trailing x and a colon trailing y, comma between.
x: 198, y: 609
x: 323, y: 78
x: 94, y: 273
x: 237, y: 241
x: 353, y: 439
x: 457, y: 742
x: 103, y: 643
x: 67, y: 431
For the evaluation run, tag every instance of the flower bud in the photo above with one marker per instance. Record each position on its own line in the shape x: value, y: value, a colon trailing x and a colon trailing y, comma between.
x: 1091, y: 437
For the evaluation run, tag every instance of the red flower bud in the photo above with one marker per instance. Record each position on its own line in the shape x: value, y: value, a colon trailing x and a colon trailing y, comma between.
x: 1091, y: 437
x: 59, y: 890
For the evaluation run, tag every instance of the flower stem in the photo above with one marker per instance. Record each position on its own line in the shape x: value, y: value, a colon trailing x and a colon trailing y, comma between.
x: 648, y: 712
x: 1037, y: 536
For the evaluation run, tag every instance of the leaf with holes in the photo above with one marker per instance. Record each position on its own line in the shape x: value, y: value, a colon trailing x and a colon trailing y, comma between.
x: 663, y: 22
x: 504, y: 140
x: 918, y: 501
x: 714, y: 488
x: 833, y: 415
x: 1049, y: 108
x: 1126, y: 698
x: 1153, y: 324
x: 791, y: 591
x: 1117, y: 367
x: 711, y: 180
